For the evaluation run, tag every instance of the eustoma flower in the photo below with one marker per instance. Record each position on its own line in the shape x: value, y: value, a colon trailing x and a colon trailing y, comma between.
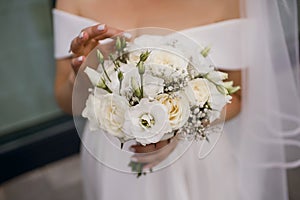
x: 147, y: 122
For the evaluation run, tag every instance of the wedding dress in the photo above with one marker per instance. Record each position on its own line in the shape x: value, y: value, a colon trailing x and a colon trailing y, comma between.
x: 213, y: 178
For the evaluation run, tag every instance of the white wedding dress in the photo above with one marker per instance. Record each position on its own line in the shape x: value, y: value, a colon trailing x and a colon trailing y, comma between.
x: 213, y: 178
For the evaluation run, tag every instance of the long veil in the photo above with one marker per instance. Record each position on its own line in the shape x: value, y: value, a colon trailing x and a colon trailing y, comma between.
x: 269, y: 137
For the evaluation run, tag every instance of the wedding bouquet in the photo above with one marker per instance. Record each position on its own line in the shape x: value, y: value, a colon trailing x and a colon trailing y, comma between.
x: 150, y: 89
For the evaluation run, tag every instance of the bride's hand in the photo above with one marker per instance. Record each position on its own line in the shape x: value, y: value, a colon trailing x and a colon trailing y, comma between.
x: 153, y: 154
x: 87, y: 40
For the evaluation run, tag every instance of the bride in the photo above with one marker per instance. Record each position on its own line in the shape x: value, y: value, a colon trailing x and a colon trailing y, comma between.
x: 218, y: 23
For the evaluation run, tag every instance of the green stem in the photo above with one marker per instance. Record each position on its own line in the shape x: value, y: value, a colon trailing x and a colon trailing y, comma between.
x: 142, y: 86
x: 105, y: 72
x: 108, y: 90
x: 120, y: 87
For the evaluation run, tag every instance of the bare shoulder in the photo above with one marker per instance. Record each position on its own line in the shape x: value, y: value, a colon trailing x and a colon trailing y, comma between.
x: 71, y: 6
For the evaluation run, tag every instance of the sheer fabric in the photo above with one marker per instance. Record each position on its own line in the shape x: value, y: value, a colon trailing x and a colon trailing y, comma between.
x: 268, y: 142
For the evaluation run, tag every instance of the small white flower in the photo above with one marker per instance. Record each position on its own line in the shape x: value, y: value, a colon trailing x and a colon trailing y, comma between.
x: 217, y: 76
x: 178, y: 109
x: 217, y: 101
x: 198, y: 91
x: 147, y: 122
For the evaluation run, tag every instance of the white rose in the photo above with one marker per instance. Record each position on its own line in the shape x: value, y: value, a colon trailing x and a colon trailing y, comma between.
x: 111, y: 114
x: 178, y: 109
x: 147, y: 122
x: 92, y: 107
x: 169, y: 57
x: 198, y: 91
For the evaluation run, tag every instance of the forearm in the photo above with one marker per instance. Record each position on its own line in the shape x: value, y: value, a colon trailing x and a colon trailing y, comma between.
x: 233, y: 108
x: 64, y: 85
x: 63, y: 95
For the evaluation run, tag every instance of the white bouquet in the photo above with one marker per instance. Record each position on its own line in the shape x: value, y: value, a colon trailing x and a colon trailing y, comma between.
x: 151, y: 94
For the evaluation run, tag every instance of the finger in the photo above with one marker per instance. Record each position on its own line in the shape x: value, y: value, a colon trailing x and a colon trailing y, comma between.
x: 112, y: 33
x: 142, y: 149
x: 149, y: 158
x: 150, y: 147
x: 87, y: 34
x: 76, y: 63
x: 90, y: 36
x: 162, y: 144
x: 102, y: 31
x: 77, y: 43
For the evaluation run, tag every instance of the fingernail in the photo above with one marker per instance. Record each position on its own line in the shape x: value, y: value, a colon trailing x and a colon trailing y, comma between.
x: 80, y: 59
x: 127, y: 35
x: 101, y: 27
x: 81, y: 35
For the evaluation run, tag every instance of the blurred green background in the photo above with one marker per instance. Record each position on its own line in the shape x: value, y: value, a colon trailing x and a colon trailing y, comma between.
x: 27, y: 64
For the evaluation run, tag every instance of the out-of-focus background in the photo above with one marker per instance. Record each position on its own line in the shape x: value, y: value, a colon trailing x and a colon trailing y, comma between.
x: 39, y: 145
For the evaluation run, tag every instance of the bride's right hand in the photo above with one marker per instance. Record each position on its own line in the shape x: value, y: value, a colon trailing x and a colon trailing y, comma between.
x: 88, y: 39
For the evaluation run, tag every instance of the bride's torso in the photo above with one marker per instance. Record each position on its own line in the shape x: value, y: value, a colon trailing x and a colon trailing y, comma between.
x: 213, y: 22
x: 172, y: 14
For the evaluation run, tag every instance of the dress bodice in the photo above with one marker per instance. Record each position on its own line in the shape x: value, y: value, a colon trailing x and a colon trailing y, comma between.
x: 224, y: 37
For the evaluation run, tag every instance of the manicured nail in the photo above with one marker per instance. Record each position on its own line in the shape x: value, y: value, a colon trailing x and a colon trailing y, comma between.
x: 80, y: 59
x: 127, y: 35
x: 101, y: 27
x: 81, y: 35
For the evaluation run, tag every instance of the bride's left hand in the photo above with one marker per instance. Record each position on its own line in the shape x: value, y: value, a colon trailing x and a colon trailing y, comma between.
x: 153, y: 154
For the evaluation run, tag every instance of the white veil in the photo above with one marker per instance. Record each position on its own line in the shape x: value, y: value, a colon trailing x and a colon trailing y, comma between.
x: 269, y: 138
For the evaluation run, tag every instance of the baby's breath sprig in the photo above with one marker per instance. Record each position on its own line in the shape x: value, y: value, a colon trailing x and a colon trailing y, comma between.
x: 198, y: 122
x: 176, y: 84
x: 101, y: 60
